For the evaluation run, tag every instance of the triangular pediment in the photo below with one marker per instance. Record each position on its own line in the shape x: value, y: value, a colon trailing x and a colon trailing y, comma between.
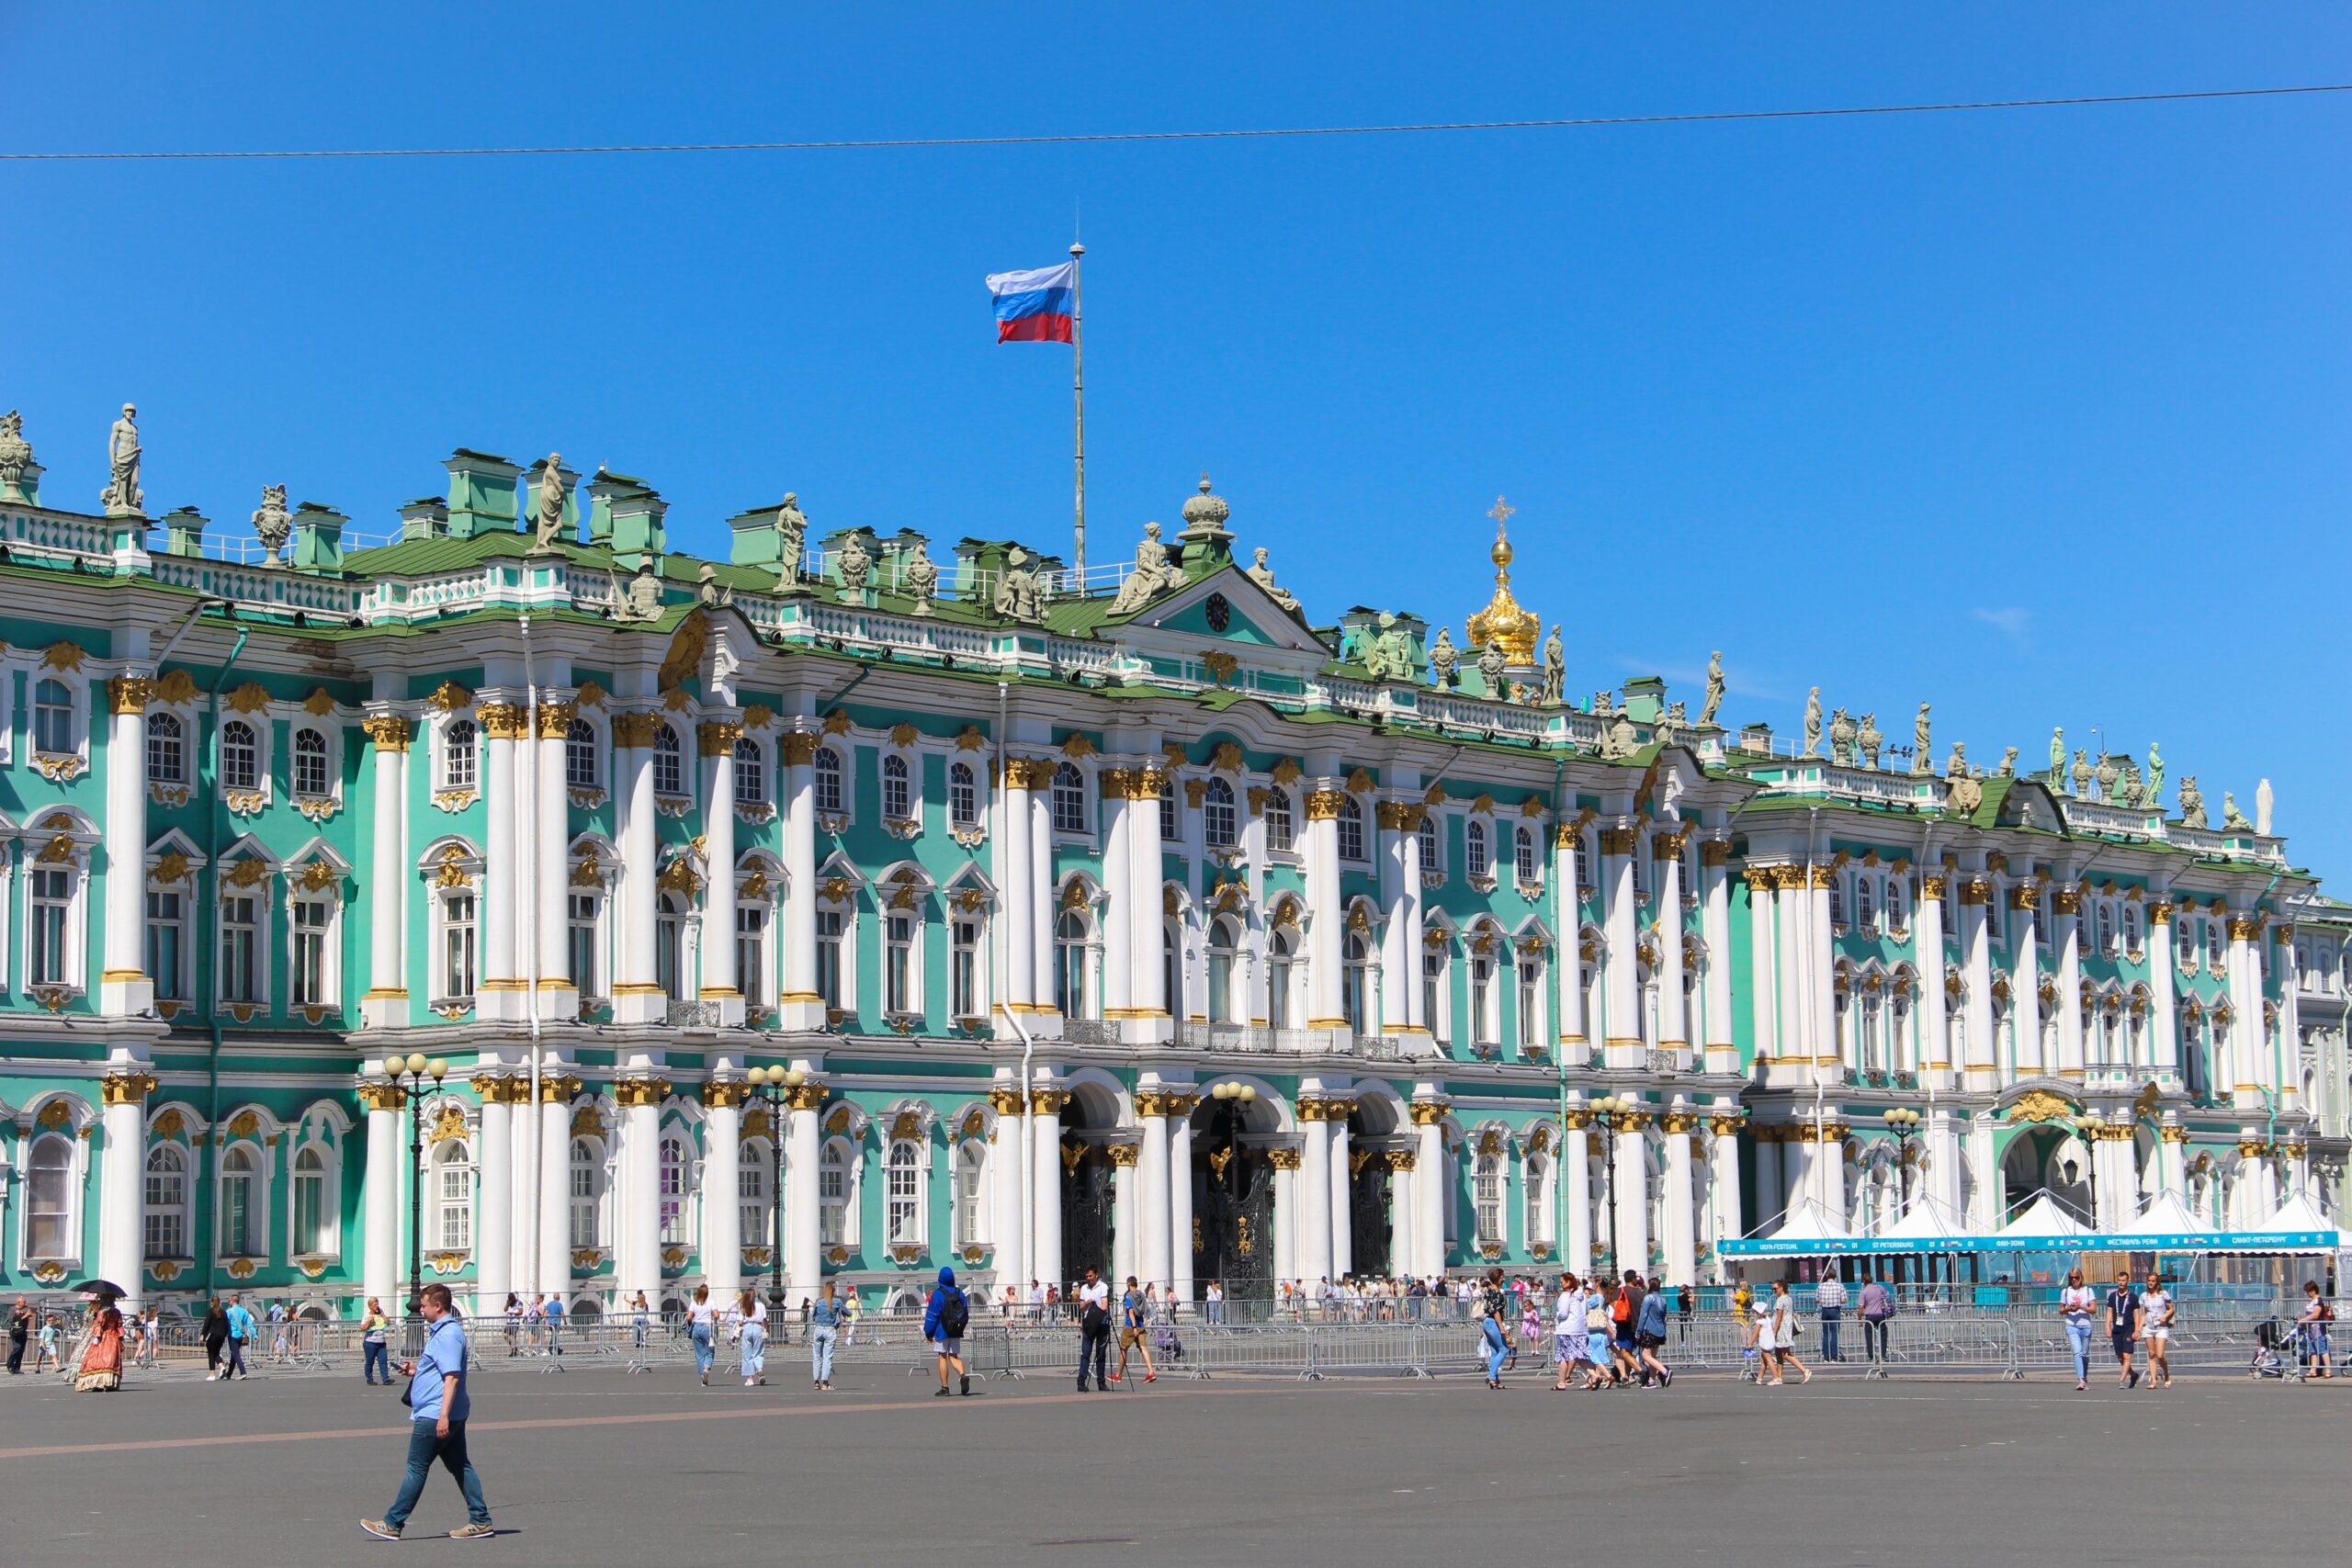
x: 1225, y: 608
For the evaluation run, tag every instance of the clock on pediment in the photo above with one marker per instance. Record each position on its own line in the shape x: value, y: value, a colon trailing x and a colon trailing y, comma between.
x: 1220, y: 612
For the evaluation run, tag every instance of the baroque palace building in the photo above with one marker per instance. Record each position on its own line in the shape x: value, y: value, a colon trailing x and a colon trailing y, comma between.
x: 1019, y: 881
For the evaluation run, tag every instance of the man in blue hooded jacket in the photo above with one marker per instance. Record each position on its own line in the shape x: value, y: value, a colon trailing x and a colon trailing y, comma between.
x: 944, y: 1318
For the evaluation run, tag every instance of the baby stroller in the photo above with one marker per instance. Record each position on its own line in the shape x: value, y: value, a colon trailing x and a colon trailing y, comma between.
x: 2272, y: 1339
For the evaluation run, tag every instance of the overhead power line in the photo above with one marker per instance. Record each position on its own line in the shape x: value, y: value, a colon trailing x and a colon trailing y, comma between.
x: 1256, y: 133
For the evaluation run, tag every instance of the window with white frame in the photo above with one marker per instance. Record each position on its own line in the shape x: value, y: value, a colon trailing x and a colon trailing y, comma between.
x: 581, y: 764
x: 833, y: 1192
x: 832, y: 926
x: 668, y: 762
x: 166, y: 1208
x: 1225, y: 994
x: 1474, y: 862
x: 1432, y: 846
x: 310, y: 774
x: 51, y: 948
x: 1073, y: 987
x: 1068, y: 799
x: 1486, y: 1007
x: 240, y: 756
x: 905, y: 1196
x: 310, y: 980
x: 1865, y: 906
x: 452, y: 1220
x: 241, y: 1201
x: 898, y: 793
x: 899, y: 962
x: 964, y: 968
x: 1584, y: 862
x: 587, y: 1195
x: 242, y: 946
x: 1531, y: 1001
x: 1355, y: 962
x: 1486, y: 1198
x: 1525, y: 863
x: 963, y: 796
x: 166, y: 751
x: 750, y: 772
x: 1282, y: 965
x: 669, y: 917
x: 454, y: 911
x: 1281, y: 835
x: 1434, y: 993
x: 583, y: 910
x: 53, y: 1218
x: 1350, y: 829
x: 2132, y: 928
x: 1538, y: 1218
x: 460, y: 754
x: 1895, y: 898
x: 755, y: 1217
x: 314, y: 1204
x: 1220, y: 818
x: 676, y: 1169
x: 751, y: 951
x: 2105, y: 926
x: 830, y: 792
x: 1836, y: 894
x: 971, y: 1179
x: 54, y: 717
x: 1169, y: 830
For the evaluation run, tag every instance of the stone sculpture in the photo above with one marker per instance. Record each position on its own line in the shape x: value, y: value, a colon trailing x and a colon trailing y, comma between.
x: 920, y: 576
x: 1923, y: 752
x: 1264, y: 576
x: 1442, y: 657
x: 1555, y: 668
x: 2107, y: 773
x: 708, y: 592
x: 2009, y: 763
x: 548, y: 521
x: 272, y: 523
x: 1153, y: 573
x: 2128, y: 789
x: 1869, y: 738
x: 16, y: 455
x: 641, y: 600
x: 791, y: 538
x: 1956, y: 766
x: 1670, y: 728
x: 2084, y: 773
x: 2156, y: 776
x: 1842, y: 732
x: 2232, y: 819
x: 122, y: 497
x: 1019, y: 596
x: 1813, y: 723
x: 2192, y: 802
x: 1714, y: 694
x: 1623, y: 738
x: 2263, y: 802
x: 1604, y: 705
x: 1491, y: 665
x: 853, y: 561
x: 2058, y: 760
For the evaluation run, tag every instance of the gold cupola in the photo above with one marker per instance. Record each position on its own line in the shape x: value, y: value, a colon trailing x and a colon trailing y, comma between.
x: 1502, y: 622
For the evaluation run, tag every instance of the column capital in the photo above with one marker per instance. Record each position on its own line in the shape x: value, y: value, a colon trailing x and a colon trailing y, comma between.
x: 1123, y: 1154
x: 1575, y: 1119
x: 2173, y: 1134
x: 1679, y: 1123
x: 634, y: 731
x: 1006, y: 1101
x: 798, y: 748
x: 555, y: 719
x: 1182, y: 1105
x: 1931, y: 886
x: 388, y: 731
x: 503, y: 721
x: 724, y: 1094
x: 1618, y: 840
x: 2245, y: 928
x: 717, y: 737
x: 382, y: 1096
x: 1726, y: 1123
x: 557, y: 1089
x: 807, y: 1097
x: 1401, y: 1159
x: 129, y: 693
x: 1714, y: 851
x: 130, y: 1087
x: 1049, y: 1101
x: 1325, y: 805
x: 1282, y: 1159
x: 1429, y: 1113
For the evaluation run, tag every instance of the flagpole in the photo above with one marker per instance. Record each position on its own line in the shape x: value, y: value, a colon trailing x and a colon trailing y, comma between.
x: 1077, y: 392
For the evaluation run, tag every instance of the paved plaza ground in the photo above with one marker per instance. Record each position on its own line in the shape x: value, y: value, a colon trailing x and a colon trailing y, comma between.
x: 599, y: 1468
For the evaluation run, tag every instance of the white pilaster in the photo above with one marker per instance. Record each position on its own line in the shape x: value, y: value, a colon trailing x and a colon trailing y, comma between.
x: 1619, y: 978
x: 1575, y: 1174
x: 803, y: 1255
x: 385, y: 1005
x: 1715, y: 925
x: 1763, y: 964
x: 798, y: 1006
x: 637, y: 997
x: 1931, y: 1007
x: 1181, y: 1106
x: 122, y: 1170
x: 379, y: 1261
x: 125, y: 988
x: 2068, y: 937
x: 1147, y: 929
x: 1125, y: 1246
x: 1429, y: 1184
x: 716, y: 741
x: 2164, y: 1018
x: 1121, y: 910
x: 499, y: 994
x: 1977, y: 947
x: 2245, y: 1008
x: 1342, y: 1196
x: 722, y: 1216
x: 1018, y: 920
x: 1009, y: 1227
x: 554, y: 1272
x: 558, y: 997
x: 636, y: 1261
x: 1312, y: 1190
x: 1157, y: 1263
x: 1041, y: 904
x: 494, y: 1205
x: 1324, y: 919
x: 1046, y: 1217
x: 1728, y: 1219
x: 1631, y: 1195
x: 1567, y: 972
x: 1676, y: 1226
x: 1673, y: 1025
x: 2025, y: 990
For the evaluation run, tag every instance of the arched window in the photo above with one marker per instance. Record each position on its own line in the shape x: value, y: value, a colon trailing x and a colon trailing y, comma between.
x: 240, y: 1202
x: 52, y: 717
x: 1485, y: 1023
x: 580, y: 771
x: 1433, y: 847
x: 1350, y: 829
x: 755, y: 1216
x: 750, y: 772
x: 452, y: 1220
x: 2106, y: 929
x: 49, y: 1220
x: 1223, y: 999
x: 668, y: 762
x: 1433, y: 988
x: 832, y: 1193
x: 1523, y: 856
x: 971, y: 1174
x: 313, y: 1213
x: 896, y: 802
x: 166, y: 751
x: 963, y: 796
x: 458, y: 746
x: 1172, y: 965
x: 1072, y: 995
x: 828, y: 781
x: 587, y: 1194
x: 1865, y: 906
x: 2132, y: 928
x: 1218, y: 819
x: 240, y: 756
x: 1539, y: 1201
x: 1069, y: 799
x: 1280, y: 834
x: 166, y: 1201
x: 1474, y: 858
x: 904, y: 1197
x: 1584, y: 863
x: 1281, y: 947
x: 674, y: 1229
x: 311, y: 763
x: 1486, y: 1198
x: 1894, y: 904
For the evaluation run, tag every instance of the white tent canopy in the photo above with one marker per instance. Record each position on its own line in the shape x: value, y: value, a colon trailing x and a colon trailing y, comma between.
x: 1927, y: 1221
x: 2042, y: 1220
x: 2164, y: 1215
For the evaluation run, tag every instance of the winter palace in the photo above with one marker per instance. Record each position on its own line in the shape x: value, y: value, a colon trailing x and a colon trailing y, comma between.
x: 863, y: 903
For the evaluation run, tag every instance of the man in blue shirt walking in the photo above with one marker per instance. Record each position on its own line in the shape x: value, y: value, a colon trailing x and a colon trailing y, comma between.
x: 243, y: 1331
x: 436, y: 1397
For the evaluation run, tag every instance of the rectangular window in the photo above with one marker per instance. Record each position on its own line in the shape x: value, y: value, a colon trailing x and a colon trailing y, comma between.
x: 1531, y: 1003
x: 239, y: 950
x: 52, y: 902
x: 585, y: 968
x: 1432, y: 991
x: 583, y: 1203
x: 964, y: 970
x: 457, y: 945
x: 752, y: 953
x: 308, y: 982
x: 897, y: 964
x: 457, y: 1206
x: 828, y: 956
x: 166, y: 932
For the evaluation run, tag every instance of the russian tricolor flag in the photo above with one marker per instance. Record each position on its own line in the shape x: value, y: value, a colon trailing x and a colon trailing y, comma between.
x: 1036, y: 306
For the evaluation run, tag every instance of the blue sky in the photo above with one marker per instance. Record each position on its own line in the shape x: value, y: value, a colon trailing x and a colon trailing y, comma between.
x: 2038, y: 415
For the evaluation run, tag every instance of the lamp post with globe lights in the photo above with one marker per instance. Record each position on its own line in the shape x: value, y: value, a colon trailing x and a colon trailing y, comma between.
x: 1904, y: 1123
x: 772, y: 1087
x: 2093, y: 1127
x: 415, y: 1076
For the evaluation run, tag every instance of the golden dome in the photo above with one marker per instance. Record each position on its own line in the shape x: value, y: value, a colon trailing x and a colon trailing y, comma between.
x: 1502, y: 622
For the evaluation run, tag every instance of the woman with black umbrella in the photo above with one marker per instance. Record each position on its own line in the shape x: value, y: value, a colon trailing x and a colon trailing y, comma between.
x: 100, y: 1368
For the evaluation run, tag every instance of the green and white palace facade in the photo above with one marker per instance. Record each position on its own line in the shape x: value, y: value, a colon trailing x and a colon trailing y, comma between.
x: 1018, y: 880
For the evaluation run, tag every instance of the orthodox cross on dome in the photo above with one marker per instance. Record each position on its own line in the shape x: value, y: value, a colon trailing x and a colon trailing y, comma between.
x: 1500, y: 512
x: 1503, y: 622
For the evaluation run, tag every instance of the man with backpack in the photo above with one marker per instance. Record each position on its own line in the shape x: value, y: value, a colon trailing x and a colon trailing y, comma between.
x: 944, y: 1318
x: 1094, y: 1332
x: 1134, y: 1319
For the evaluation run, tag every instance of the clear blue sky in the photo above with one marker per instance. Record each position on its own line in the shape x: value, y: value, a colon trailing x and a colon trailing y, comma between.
x: 2039, y: 415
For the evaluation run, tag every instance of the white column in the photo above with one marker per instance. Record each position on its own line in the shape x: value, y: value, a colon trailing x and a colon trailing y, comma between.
x: 385, y: 1005
x: 1126, y: 1244
x: 2172, y: 1171
x: 1802, y: 1024
x: 1621, y: 987
x: 2068, y: 938
x: 1429, y: 1185
x: 1045, y: 1219
x: 1631, y: 1195
x: 1567, y: 972
x: 1771, y: 1189
x: 1931, y: 1007
x: 1400, y: 960
x: 1673, y: 1026
x: 1286, y: 1222
x: 1147, y: 927
x: 554, y: 1184
x: 2025, y: 990
x: 1977, y: 947
x: 1323, y: 919
x: 1575, y: 1174
x: 1155, y: 1262
x: 122, y: 1171
x: 1942, y: 1147
x: 716, y: 741
x: 1763, y: 963
x: 1121, y: 909
x: 125, y: 988
x: 637, y: 993
x: 1342, y: 1195
x: 1041, y: 905
x: 1829, y: 1169
x: 379, y: 1269
x: 2284, y: 1072
x: 1404, y: 1210
x: 1986, y: 1211
x: 1723, y: 1185
x: 499, y: 994
x: 1676, y: 1226
x: 1181, y: 1106
x: 559, y: 992
x: 1821, y: 970
x: 494, y: 1205
x: 637, y: 1262
x: 803, y: 1255
x: 1715, y: 925
x: 2245, y: 1008
x: 2163, y: 1020
x: 1006, y: 1227
x: 722, y: 1216
x: 1313, y: 1192
x: 1018, y: 921
x: 799, y: 1007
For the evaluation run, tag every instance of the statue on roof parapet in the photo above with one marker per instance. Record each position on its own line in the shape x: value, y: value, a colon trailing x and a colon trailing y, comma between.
x: 2232, y: 819
x: 1019, y: 595
x: 1443, y: 660
x: 1869, y: 740
x: 1813, y: 723
x: 1153, y: 573
x: 1923, y: 752
x: 122, y: 497
x: 1556, y: 669
x: 921, y: 577
x: 1714, y: 694
x: 1264, y: 576
x: 548, y: 517
x: 272, y: 523
x: 2192, y: 802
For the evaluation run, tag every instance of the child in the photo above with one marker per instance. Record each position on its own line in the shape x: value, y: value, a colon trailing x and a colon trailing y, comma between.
x: 49, y: 1351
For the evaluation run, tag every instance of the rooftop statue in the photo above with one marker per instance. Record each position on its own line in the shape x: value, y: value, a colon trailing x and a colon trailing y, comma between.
x: 920, y: 576
x: 2263, y: 802
x: 1923, y: 752
x: 708, y: 592
x: 1869, y: 738
x: 2156, y: 776
x: 1555, y: 668
x: 2009, y: 763
x: 1715, y: 695
x: 2108, y: 772
x: 1604, y: 705
x: 2084, y: 773
x: 1492, y: 664
x: 1842, y: 732
x: 791, y: 538
x: 2128, y: 789
x: 1669, y: 729
x: 272, y: 524
x: 547, y: 522
x: 1442, y: 658
x: 1019, y: 595
x: 2232, y: 819
x: 853, y: 561
x: 2192, y: 802
x: 1623, y: 738
x: 2058, y: 760
x: 1956, y: 766
x: 16, y: 455
x: 641, y: 600
x: 1153, y: 573
x: 122, y: 497
x: 1813, y: 723
x: 1264, y: 576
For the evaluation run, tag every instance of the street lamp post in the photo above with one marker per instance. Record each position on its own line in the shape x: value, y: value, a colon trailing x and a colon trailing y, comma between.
x: 1607, y: 1108
x: 2091, y: 1125
x: 1904, y: 1123
x: 415, y: 1076
x: 771, y: 1086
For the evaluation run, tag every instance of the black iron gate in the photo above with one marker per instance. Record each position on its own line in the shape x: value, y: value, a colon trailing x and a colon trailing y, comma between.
x: 1090, y: 1217
x: 1368, y: 1220
x: 1233, y: 1226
